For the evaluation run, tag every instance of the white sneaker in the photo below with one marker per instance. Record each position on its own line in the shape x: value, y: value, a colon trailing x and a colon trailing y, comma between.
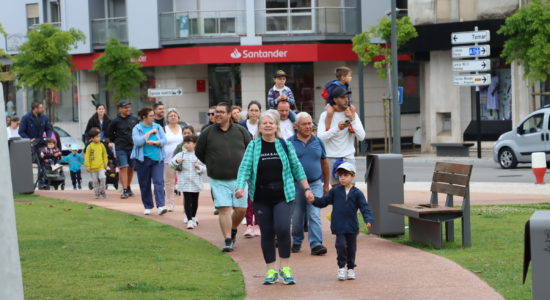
x: 351, y: 274
x: 161, y: 210
x: 190, y: 224
x: 195, y: 222
x: 342, y: 274
x: 147, y: 212
x: 185, y: 220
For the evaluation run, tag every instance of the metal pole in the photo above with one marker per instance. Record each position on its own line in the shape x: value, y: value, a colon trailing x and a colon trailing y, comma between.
x: 11, y: 281
x: 478, y: 113
x: 396, y: 109
x: 360, y: 70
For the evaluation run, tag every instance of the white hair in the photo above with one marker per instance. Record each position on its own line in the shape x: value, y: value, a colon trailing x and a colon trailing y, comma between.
x: 275, y: 117
x: 301, y: 115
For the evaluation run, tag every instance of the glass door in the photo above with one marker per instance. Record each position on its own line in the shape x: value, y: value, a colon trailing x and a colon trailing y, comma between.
x: 224, y: 84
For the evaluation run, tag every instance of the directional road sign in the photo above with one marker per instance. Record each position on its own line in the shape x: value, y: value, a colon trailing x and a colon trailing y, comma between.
x: 153, y: 93
x: 468, y: 37
x: 471, y: 51
x: 471, y: 65
x: 475, y: 80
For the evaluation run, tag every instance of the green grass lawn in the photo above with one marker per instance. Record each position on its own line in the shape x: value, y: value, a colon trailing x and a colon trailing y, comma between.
x: 77, y: 251
x: 496, y: 255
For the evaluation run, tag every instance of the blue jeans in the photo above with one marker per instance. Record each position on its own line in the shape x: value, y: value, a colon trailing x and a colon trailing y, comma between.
x: 301, y: 207
x: 148, y: 170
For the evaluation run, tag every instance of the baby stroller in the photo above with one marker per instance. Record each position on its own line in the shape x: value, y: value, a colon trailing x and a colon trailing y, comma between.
x: 111, y: 173
x: 48, y: 176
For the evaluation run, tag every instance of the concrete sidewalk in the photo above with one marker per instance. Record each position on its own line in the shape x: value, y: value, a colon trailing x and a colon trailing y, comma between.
x: 386, y: 270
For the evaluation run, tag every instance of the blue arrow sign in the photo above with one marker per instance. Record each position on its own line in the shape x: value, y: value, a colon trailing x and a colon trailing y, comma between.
x: 400, y: 95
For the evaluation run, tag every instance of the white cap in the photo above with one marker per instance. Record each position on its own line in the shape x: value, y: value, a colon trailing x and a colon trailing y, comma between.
x: 346, y: 166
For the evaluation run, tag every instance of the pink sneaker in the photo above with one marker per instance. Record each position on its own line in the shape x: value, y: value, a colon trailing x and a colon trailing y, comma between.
x: 257, y: 231
x: 249, y: 231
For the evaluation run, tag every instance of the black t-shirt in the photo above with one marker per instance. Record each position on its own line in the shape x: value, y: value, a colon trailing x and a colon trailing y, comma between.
x: 269, y: 182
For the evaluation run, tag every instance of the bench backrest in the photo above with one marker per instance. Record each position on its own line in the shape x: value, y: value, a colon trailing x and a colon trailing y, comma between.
x: 451, y: 179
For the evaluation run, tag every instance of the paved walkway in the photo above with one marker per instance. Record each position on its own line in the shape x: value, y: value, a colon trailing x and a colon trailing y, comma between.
x: 386, y: 270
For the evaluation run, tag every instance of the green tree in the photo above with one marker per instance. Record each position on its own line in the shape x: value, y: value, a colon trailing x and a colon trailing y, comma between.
x: 369, y: 51
x: 5, y: 35
x: 43, y: 61
x: 528, y: 42
x: 120, y: 65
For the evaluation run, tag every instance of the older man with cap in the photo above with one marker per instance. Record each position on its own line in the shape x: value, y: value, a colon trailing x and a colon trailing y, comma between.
x: 119, y: 133
x: 339, y: 139
x: 311, y: 153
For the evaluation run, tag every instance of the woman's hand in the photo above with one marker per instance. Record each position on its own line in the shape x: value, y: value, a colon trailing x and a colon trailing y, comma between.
x: 239, y: 193
x: 150, y: 143
x: 150, y: 132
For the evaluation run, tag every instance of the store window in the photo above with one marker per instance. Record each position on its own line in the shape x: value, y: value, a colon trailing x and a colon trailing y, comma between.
x: 544, y: 92
x: 60, y: 106
x: 408, y: 79
x: 496, y: 98
x: 224, y: 84
x: 299, y: 80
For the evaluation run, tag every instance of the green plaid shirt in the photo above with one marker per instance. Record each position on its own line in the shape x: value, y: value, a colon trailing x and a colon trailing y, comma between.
x: 292, y: 168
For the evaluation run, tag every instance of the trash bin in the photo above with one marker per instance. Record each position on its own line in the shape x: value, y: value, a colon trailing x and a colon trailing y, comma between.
x: 384, y: 187
x: 21, y: 165
x: 537, y: 249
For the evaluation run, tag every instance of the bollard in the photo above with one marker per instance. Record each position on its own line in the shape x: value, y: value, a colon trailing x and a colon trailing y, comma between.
x: 538, y: 164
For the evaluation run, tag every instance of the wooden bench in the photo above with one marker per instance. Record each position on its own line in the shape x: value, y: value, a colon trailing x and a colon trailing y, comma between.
x: 426, y: 220
x: 452, y: 149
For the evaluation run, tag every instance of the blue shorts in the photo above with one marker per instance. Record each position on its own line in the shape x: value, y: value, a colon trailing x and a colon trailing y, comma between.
x: 224, y: 193
x: 123, y: 159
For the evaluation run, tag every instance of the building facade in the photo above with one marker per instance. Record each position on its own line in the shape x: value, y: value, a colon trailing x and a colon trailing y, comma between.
x: 228, y: 50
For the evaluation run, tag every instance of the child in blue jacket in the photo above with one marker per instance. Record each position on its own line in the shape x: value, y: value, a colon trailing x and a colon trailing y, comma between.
x: 75, y: 161
x: 346, y: 199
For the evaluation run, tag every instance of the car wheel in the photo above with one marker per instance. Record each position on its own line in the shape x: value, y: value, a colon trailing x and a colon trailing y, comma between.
x: 507, y: 159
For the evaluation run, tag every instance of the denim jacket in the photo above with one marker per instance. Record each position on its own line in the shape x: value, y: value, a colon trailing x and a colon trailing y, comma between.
x: 138, y: 136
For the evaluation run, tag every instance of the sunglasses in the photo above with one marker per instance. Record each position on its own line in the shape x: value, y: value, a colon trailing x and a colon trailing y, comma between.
x: 211, y: 114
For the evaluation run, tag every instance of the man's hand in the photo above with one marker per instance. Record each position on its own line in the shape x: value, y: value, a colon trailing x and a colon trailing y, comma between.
x: 326, y: 188
x: 368, y: 225
x: 343, y: 125
x: 349, y: 114
x: 309, y: 196
x: 239, y: 193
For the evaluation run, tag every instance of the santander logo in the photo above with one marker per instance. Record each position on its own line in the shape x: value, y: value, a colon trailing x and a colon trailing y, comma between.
x: 235, y: 54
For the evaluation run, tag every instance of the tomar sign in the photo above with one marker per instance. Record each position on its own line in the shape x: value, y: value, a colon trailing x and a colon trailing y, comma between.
x: 153, y: 93
x: 468, y: 37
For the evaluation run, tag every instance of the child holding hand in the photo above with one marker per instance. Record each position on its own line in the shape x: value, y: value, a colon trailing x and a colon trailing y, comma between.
x: 346, y: 199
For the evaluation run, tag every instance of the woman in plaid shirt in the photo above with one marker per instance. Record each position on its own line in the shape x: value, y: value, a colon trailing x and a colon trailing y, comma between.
x: 270, y: 167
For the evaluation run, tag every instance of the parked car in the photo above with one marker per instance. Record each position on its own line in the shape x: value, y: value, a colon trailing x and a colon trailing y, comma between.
x: 67, y: 141
x: 531, y: 135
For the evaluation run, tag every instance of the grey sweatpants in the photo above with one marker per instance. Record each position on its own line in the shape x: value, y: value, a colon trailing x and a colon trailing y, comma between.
x: 98, y: 181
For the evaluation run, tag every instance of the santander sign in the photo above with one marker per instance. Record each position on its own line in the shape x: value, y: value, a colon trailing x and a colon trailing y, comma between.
x: 236, y: 54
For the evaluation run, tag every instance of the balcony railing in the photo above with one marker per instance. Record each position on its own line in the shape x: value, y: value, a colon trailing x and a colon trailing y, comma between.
x: 54, y: 24
x: 103, y: 29
x: 306, y: 20
x: 188, y: 24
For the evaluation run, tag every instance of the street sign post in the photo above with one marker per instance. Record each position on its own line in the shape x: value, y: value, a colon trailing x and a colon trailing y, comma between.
x: 468, y: 37
x: 153, y: 93
x: 471, y: 65
x: 472, y: 80
x: 471, y: 51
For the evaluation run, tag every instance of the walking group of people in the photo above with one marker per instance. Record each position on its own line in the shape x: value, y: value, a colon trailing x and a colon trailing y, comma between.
x: 270, y: 168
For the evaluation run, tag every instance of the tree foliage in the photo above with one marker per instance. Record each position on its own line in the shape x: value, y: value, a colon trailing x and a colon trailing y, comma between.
x: 120, y: 64
x: 368, y: 51
x: 5, y: 35
x: 528, y: 42
x: 43, y: 61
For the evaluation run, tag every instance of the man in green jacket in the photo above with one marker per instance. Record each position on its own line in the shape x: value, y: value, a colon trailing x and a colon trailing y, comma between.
x: 221, y: 148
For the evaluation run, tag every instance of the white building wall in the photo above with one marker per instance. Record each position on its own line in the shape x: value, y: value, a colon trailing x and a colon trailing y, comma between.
x: 75, y: 14
x: 191, y: 103
x: 143, y: 20
x: 253, y: 84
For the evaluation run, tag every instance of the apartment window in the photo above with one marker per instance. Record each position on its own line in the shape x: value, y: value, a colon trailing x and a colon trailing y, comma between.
x: 219, y: 25
x: 288, y: 15
x: 32, y: 16
x: 55, y: 12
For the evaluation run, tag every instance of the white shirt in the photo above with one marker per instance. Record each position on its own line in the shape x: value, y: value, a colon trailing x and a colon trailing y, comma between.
x: 251, y: 128
x: 172, y: 141
x: 12, y: 133
x: 287, y: 128
x: 340, y: 143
